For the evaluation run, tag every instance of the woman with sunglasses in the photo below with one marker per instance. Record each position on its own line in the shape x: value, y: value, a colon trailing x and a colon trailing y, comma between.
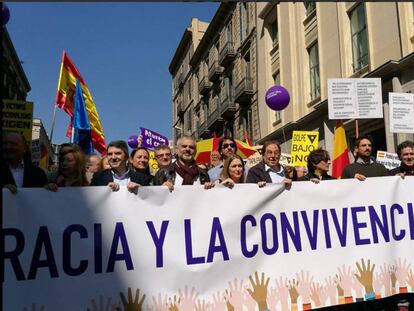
x: 318, y: 166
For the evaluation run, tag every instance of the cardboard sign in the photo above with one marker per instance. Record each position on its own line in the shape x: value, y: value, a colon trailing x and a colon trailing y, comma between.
x: 355, y: 98
x: 389, y: 159
x: 401, y: 112
x: 152, y: 139
x: 18, y: 117
x: 303, y: 142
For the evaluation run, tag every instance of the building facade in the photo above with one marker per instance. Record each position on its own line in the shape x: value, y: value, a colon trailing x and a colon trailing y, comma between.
x: 248, y: 47
x: 302, y: 45
x: 217, y: 95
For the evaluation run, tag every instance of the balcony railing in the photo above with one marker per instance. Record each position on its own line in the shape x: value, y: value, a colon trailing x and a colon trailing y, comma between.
x: 227, y: 54
x: 228, y: 106
x: 180, y: 109
x: 204, y: 86
x: 203, y: 131
x: 214, y: 119
x: 215, y: 71
x: 244, y: 91
x: 180, y: 80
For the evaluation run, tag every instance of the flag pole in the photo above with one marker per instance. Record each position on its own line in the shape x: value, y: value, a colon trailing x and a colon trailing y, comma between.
x: 356, y: 128
x: 53, y: 123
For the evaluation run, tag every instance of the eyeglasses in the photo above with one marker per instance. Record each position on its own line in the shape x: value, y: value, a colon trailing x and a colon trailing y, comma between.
x: 162, y: 155
x: 229, y: 145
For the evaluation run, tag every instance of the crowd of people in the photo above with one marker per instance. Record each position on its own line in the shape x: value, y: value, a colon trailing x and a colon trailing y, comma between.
x: 119, y: 168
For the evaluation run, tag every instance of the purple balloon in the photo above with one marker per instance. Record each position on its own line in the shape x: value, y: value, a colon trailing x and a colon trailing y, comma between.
x: 133, y: 141
x: 277, y: 98
x: 5, y: 14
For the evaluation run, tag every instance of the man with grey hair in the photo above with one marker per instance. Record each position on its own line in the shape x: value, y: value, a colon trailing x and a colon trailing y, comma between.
x: 184, y: 171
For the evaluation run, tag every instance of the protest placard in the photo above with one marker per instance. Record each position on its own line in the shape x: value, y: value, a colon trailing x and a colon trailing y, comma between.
x: 355, y: 98
x: 303, y: 142
x: 401, y: 112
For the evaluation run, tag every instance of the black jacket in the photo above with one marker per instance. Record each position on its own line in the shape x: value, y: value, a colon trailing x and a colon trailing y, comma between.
x: 104, y: 177
x: 33, y: 176
x: 168, y: 173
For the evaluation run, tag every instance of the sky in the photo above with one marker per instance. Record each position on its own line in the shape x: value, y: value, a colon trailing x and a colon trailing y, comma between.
x: 122, y: 50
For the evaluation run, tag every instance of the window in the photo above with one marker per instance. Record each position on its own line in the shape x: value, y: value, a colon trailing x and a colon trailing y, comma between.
x: 315, y: 82
x: 310, y: 7
x: 276, y: 81
x: 243, y: 21
x: 359, y: 38
x: 273, y: 30
x: 229, y: 32
x: 189, y: 121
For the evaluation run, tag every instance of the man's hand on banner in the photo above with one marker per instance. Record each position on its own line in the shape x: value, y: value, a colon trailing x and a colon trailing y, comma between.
x: 114, y: 186
x: 133, y: 187
x: 12, y: 188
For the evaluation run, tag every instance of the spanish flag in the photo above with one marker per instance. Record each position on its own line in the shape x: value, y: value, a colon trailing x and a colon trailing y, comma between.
x: 340, y: 154
x: 65, y: 100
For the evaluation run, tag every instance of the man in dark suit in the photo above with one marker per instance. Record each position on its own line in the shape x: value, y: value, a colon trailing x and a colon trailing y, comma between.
x: 269, y: 169
x: 17, y: 169
x: 119, y: 174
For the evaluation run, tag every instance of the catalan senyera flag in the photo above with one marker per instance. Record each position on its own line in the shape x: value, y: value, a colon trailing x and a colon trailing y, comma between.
x: 340, y: 154
x: 65, y: 100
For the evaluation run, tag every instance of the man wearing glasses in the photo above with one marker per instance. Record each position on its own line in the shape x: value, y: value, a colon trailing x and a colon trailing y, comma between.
x: 269, y: 170
x: 227, y: 147
x: 163, y: 156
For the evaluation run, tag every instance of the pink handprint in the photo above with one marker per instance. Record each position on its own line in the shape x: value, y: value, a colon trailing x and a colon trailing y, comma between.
x: 202, y: 305
x: 345, y: 280
x: 304, y: 286
x: 282, y: 293
x: 385, y: 276
x: 358, y: 288
x: 316, y: 293
x: 236, y: 295
x: 188, y: 299
x: 377, y: 283
x: 401, y: 272
x: 249, y: 302
x: 272, y: 298
x: 219, y: 304
x: 159, y: 303
x: 410, y: 279
x: 331, y: 290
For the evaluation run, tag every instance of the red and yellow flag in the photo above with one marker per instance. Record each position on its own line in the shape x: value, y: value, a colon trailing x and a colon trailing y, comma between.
x: 65, y: 100
x: 340, y: 154
x: 244, y: 150
x: 204, y: 150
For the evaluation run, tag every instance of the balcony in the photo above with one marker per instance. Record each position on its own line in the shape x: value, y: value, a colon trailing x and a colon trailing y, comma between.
x: 180, y: 109
x: 204, y: 86
x: 214, y: 120
x: 244, y: 91
x: 215, y: 71
x: 228, y: 106
x: 203, y: 132
x: 227, y: 54
x: 180, y: 80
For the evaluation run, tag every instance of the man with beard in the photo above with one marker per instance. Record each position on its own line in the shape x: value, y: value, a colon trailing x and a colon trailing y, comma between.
x: 17, y: 169
x: 184, y: 171
x: 364, y: 166
x: 405, y: 152
x: 119, y: 174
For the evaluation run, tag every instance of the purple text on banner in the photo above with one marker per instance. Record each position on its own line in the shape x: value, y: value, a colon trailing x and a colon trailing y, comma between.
x: 151, y: 139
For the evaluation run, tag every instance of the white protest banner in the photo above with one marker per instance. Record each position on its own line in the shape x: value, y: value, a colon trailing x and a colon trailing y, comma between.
x: 67, y: 249
x: 389, y: 159
x: 401, y: 112
x: 355, y: 98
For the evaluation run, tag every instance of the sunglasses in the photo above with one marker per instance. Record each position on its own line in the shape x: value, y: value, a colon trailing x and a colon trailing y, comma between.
x: 229, y: 145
